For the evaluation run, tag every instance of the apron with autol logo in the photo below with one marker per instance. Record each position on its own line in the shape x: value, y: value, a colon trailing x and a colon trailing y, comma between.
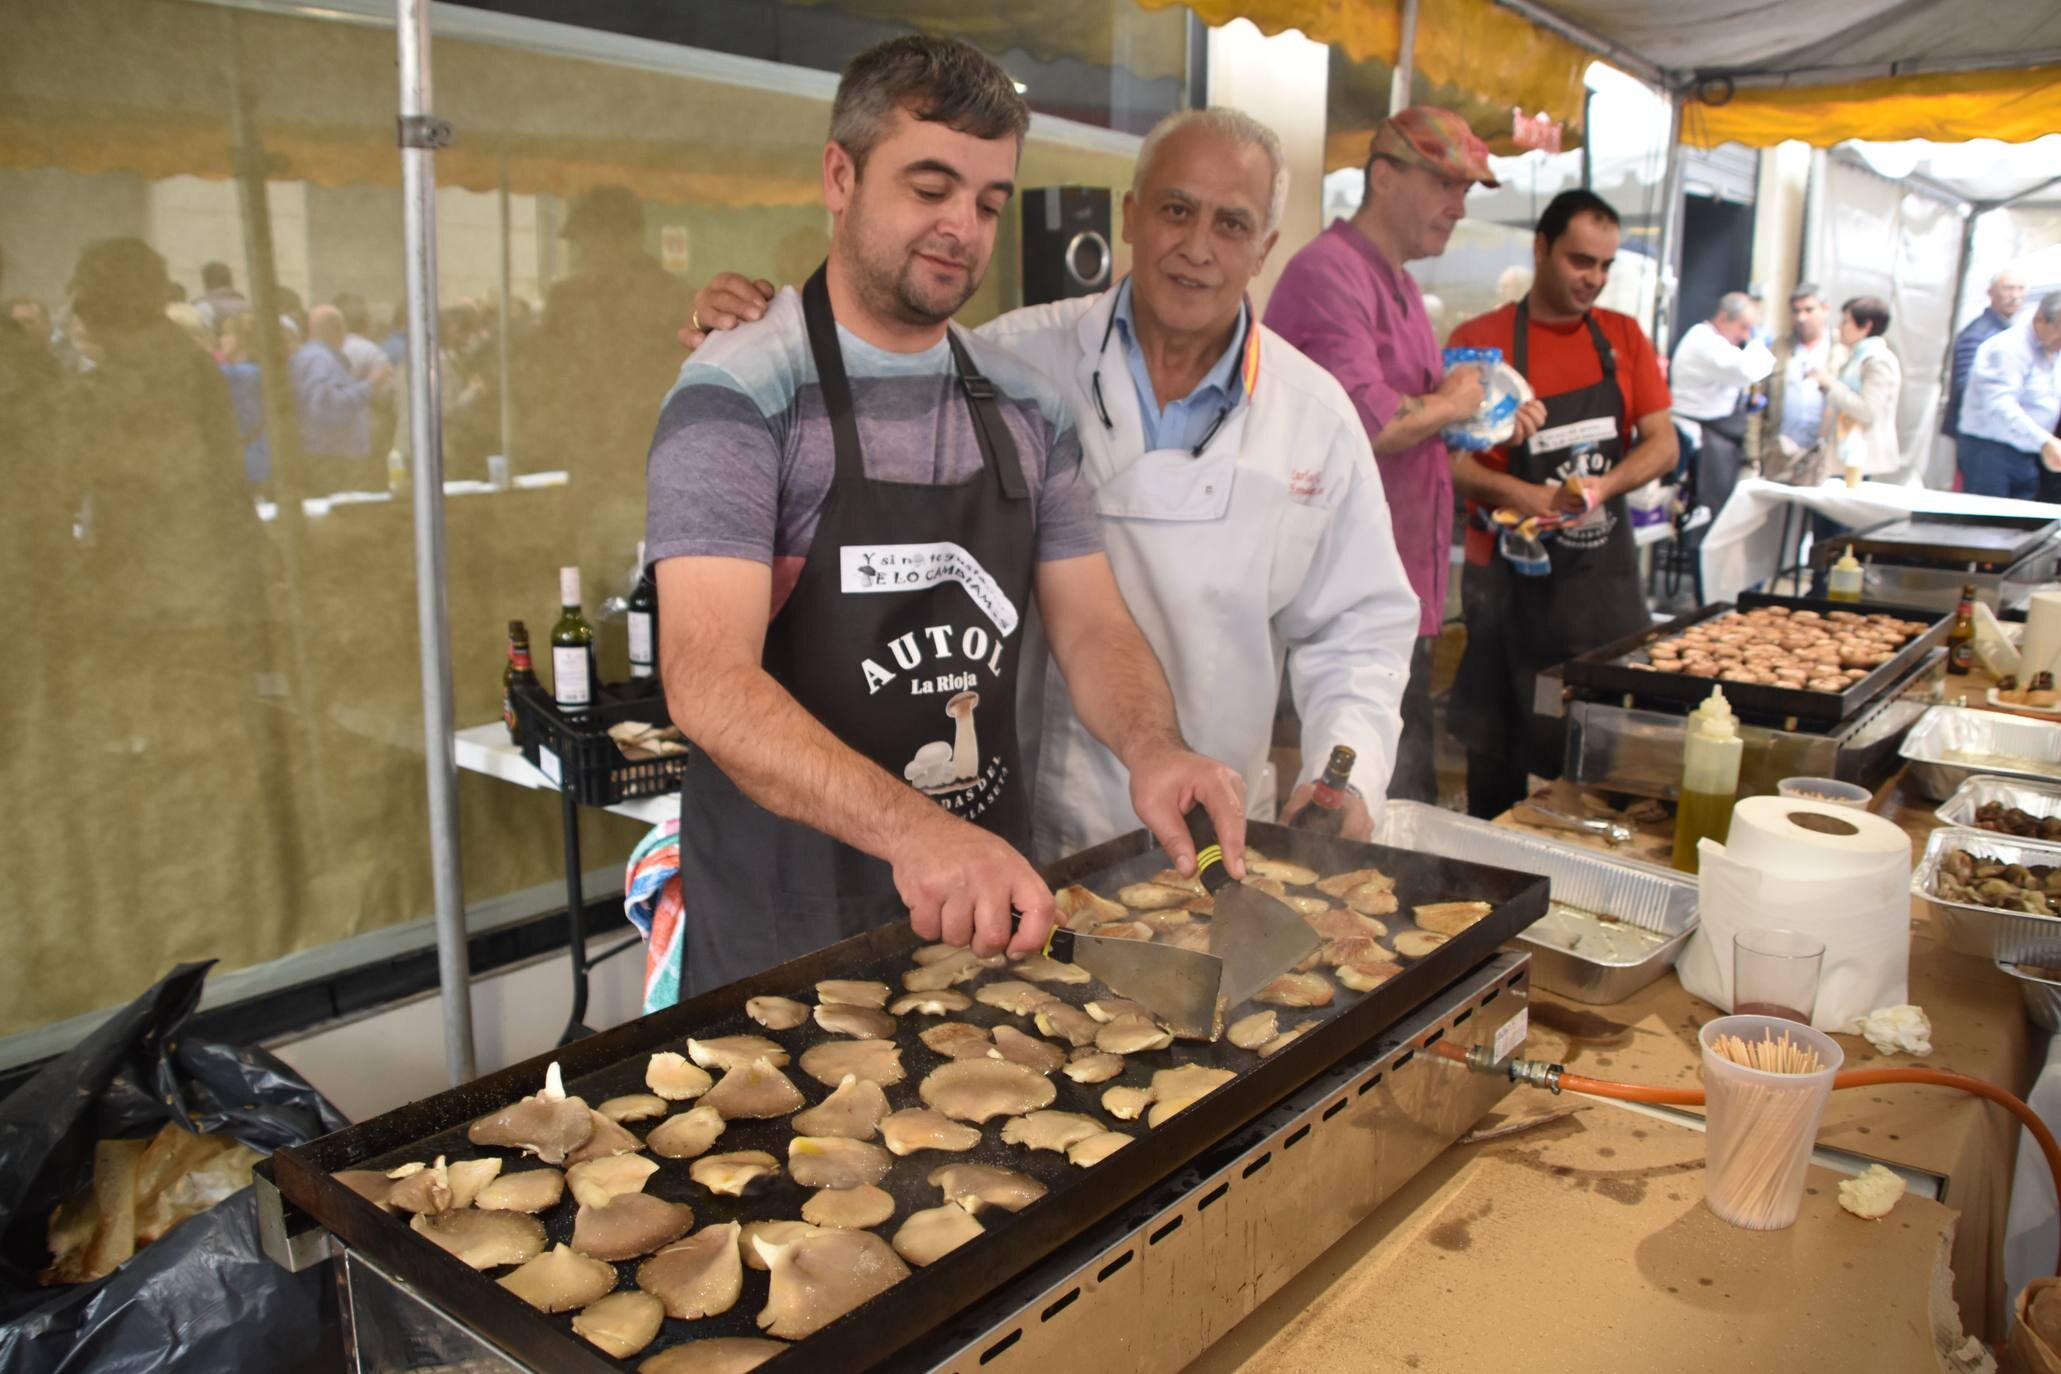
x: 902, y: 637
x: 1519, y: 625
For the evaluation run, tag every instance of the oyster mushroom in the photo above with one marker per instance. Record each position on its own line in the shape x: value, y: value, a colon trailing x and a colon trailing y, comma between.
x: 1036, y: 968
x: 1341, y: 883
x: 1280, y: 1042
x: 727, y: 1052
x: 547, y: 1124
x: 731, y: 1174
x: 605, y: 1139
x: 776, y: 1013
x: 1367, y: 974
x: 974, y: 1186
x: 1049, y: 1130
x: 1195, y: 937
x: 532, y: 1190
x: 1132, y: 1035
x: 1126, y: 930
x: 849, y: 1209
x: 1294, y: 875
x: 755, y: 1090
x: 673, y: 1078
x: 700, y: 1276
x: 930, y: 1235
x: 633, y: 1107
x: 1371, y: 899
x: 942, y: 953
x: 1018, y: 999
x: 629, y: 1225
x: 833, y: 1161
x: 1151, y: 896
x: 877, y: 1060
x: 850, y: 992
x: 1092, y: 1150
x: 1353, y: 949
x: 854, y: 1110
x: 560, y: 1280
x: 1415, y: 944
x: 1163, y: 922
x: 1109, y: 1009
x: 817, y: 1278
x: 621, y: 1324
x: 1175, y: 1090
x: 1076, y: 901
x: 1250, y: 1032
x: 483, y: 1239
x: 860, y: 1023
x: 713, y: 1355
x: 1126, y: 1104
x: 957, y: 1040
x: 424, y: 1191
x: 1338, y: 923
x: 920, y: 1128
x: 688, y: 1134
x: 1040, y: 1056
x: 1296, y: 990
x: 960, y: 966
x: 1070, y: 1024
x: 943, y: 1002
x: 1449, y: 918
x: 776, y: 1232
x: 1098, y: 1067
x: 975, y: 1089
x: 598, y: 1180
x: 1305, y: 906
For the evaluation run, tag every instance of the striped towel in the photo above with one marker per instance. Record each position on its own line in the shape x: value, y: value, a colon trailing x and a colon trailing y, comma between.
x: 651, y: 899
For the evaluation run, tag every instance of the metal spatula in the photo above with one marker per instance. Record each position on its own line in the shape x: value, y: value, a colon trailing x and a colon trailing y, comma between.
x: 1258, y: 937
x: 1182, y: 987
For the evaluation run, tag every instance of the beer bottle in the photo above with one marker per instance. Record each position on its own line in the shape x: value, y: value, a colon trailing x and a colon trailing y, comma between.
x: 516, y: 672
x: 572, y: 650
x: 643, y: 618
x: 1961, y: 638
x: 1325, y: 815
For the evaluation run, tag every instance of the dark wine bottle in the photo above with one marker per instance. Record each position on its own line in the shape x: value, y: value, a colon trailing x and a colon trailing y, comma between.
x: 1325, y: 815
x: 517, y: 672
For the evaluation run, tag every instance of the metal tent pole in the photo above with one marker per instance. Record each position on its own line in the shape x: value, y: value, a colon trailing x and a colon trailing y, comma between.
x: 1405, y: 61
x: 421, y: 134
x: 1669, y: 249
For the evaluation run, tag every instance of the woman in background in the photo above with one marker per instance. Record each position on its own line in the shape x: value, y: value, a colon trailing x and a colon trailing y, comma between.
x: 1862, y: 399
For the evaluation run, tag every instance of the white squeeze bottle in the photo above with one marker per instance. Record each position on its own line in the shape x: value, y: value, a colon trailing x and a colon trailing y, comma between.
x: 1710, y: 778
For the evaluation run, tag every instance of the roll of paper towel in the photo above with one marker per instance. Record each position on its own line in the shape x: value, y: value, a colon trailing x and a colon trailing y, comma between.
x: 1836, y: 873
x: 2041, y: 646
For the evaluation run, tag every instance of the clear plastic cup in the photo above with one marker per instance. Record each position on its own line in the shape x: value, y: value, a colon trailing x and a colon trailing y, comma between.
x: 1831, y: 791
x: 1775, y: 973
x: 1759, y: 1126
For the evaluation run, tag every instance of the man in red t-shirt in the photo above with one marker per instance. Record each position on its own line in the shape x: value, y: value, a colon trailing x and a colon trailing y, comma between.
x: 1604, y: 431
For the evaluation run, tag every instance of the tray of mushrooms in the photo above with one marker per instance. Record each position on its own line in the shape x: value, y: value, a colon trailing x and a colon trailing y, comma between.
x: 715, y: 1195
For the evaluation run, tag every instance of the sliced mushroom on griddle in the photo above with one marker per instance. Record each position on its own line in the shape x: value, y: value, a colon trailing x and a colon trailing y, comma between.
x: 1077, y: 904
x: 957, y: 1040
x: 878, y: 1060
x: 1126, y: 1104
x: 851, y: 992
x: 849, y: 1209
x: 732, y: 1173
x: 776, y: 1013
x: 1070, y: 1024
x: 483, y: 1239
x: 1151, y: 896
x: 1132, y: 1035
x: 930, y: 1235
x: 670, y: 1076
x: 1195, y: 937
x: 1018, y: 999
x: 1342, y: 923
x: 633, y: 1107
x: 1097, y: 1067
x: 975, y: 1090
x: 598, y: 1180
x: 1166, y: 920
x: 629, y: 1225
x: 860, y: 1023
x: 620, y: 1324
x: 974, y: 1186
x: 687, y: 1135
x: 1449, y: 918
x: 961, y: 966
x: 1049, y: 1130
x: 1338, y: 884
x: 1305, y: 906
x: 1040, y: 1056
x: 922, y: 1128
x: 1180, y: 882
x: 1296, y: 990
x: 1353, y: 949
x: 778, y: 1232
x: 1177, y: 1089
x: 548, y: 1124
x: 1126, y: 930
x: 713, y: 1355
x: 1036, y: 968
x: 532, y: 1190
x: 423, y: 1191
x: 560, y: 1280
x: 833, y: 1161
x: 700, y: 1276
x: 756, y: 1091
x: 469, y: 1177
x: 1109, y: 1009
x: 1415, y: 944
x: 1365, y: 975
x: 605, y: 1139
x: 1281, y: 1041
x: 943, y: 1002
x: 1250, y: 1032
x: 1094, y: 1149
x: 817, y: 1278
x: 1372, y: 899
x: 853, y: 1109
x: 1293, y: 875
x: 727, y: 1052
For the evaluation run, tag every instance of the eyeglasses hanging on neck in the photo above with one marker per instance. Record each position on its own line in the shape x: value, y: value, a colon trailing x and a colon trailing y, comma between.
x: 1248, y: 351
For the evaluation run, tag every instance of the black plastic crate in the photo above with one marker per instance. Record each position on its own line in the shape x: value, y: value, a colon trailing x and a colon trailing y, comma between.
x: 582, y: 759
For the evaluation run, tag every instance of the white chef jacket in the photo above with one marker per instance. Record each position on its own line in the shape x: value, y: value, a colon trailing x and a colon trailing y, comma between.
x: 1273, y: 547
x: 1709, y: 373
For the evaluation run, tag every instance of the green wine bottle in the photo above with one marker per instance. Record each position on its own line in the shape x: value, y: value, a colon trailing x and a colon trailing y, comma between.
x: 572, y: 650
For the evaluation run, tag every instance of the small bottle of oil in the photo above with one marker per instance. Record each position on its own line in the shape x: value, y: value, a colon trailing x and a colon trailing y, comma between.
x: 1710, y: 778
x: 1844, y: 583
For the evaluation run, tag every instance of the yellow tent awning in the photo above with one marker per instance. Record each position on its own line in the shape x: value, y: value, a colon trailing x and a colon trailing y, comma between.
x: 2014, y: 106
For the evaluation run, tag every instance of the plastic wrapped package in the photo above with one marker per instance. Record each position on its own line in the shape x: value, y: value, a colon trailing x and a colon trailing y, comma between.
x: 1503, y: 391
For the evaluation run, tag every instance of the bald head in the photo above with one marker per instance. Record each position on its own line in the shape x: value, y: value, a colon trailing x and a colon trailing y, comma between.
x: 2006, y: 292
x: 326, y: 326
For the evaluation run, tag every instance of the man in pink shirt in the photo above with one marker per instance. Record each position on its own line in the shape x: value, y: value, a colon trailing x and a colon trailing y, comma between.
x: 1346, y: 301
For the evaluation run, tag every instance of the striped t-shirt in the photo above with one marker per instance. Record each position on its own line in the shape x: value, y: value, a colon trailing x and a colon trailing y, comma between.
x: 743, y: 456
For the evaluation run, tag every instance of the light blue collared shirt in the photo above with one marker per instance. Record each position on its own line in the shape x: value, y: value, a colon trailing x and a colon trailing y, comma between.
x: 1183, y: 423
x: 2014, y: 391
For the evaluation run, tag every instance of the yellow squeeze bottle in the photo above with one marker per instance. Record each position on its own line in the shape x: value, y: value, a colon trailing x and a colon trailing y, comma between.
x: 1710, y: 778
x: 1844, y: 583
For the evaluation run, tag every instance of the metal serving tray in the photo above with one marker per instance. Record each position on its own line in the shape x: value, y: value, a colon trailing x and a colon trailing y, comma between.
x: 2041, y: 799
x: 1656, y: 899
x: 2042, y: 995
x: 1609, y: 669
x: 613, y: 1062
x: 1991, y: 932
x: 1993, y: 542
x: 1943, y: 729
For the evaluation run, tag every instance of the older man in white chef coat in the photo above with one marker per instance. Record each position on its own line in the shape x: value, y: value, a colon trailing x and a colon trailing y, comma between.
x: 1240, y: 503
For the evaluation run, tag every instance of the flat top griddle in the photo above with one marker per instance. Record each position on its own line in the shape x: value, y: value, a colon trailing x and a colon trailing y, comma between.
x: 1955, y: 541
x: 1609, y: 669
x: 613, y: 1063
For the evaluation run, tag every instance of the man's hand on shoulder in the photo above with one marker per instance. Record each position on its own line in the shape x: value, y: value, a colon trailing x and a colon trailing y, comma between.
x: 964, y: 885
x: 724, y: 302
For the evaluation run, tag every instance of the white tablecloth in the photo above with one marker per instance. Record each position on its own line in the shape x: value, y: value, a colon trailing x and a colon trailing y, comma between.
x: 1744, y: 544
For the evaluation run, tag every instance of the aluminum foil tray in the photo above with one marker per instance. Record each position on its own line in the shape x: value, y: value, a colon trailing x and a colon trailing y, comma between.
x: 2041, y: 799
x: 1993, y: 933
x: 1658, y: 900
x: 2042, y: 995
x: 1944, y: 732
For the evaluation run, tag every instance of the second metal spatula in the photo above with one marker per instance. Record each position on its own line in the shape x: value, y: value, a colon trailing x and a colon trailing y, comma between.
x: 1257, y: 937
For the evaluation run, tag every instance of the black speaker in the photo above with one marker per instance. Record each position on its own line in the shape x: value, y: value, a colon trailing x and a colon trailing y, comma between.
x: 1065, y: 242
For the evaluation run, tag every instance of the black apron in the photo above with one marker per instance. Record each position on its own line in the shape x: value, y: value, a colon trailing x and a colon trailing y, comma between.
x: 902, y: 637
x: 1517, y: 625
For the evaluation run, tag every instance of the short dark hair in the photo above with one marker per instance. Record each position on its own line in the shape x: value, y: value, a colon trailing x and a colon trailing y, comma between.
x: 1561, y: 210
x: 1870, y: 312
x: 937, y: 80
x: 1806, y: 291
x: 214, y: 276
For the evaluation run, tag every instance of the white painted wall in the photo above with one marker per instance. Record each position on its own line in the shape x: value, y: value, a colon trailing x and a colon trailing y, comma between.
x: 1280, y: 81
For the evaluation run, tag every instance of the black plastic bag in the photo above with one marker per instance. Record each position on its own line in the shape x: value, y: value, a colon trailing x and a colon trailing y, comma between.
x: 204, y: 1297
